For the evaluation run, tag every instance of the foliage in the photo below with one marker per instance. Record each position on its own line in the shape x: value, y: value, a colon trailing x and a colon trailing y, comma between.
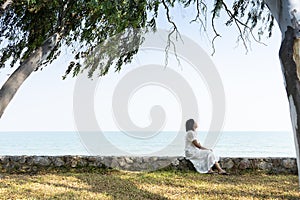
x: 108, y: 33
x: 25, y: 25
x: 248, y: 15
x: 252, y: 18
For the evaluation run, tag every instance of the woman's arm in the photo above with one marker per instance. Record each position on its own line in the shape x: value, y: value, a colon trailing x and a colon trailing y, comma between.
x: 198, y: 145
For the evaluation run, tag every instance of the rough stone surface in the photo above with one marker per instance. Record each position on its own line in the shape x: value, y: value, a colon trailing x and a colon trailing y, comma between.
x: 39, y: 160
x: 245, y: 164
x: 58, y: 162
x: 288, y: 163
x: 227, y: 163
x: 32, y: 164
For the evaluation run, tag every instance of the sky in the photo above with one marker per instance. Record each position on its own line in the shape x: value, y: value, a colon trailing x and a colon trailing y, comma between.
x: 253, y: 84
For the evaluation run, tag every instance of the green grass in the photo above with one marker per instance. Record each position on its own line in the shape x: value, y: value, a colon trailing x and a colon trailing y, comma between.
x: 112, y: 184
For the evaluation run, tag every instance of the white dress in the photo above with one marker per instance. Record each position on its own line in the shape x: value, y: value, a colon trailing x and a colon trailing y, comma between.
x: 202, y: 160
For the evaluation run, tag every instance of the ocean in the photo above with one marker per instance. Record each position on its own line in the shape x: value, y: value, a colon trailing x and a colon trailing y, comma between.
x: 230, y: 144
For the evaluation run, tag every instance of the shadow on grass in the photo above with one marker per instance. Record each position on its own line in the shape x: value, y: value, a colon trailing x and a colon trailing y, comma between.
x: 161, y: 184
x: 108, y: 183
x: 247, y: 185
x: 115, y: 186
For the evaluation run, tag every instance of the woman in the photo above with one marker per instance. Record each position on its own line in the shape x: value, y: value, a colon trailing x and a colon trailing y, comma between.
x: 202, y: 158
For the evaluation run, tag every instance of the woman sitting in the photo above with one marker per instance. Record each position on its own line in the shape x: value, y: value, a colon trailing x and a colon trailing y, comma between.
x: 202, y: 158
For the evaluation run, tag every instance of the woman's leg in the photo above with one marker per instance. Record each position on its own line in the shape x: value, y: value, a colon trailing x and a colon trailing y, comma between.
x: 217, y: 165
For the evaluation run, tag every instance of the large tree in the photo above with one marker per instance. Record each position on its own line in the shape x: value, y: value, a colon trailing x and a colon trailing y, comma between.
x: 32, y: 33
x: 287, y: 15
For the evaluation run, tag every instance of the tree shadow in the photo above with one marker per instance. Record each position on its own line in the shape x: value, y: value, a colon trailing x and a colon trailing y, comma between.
x: 108, y: 183
x: 233, y: 182
x: 118, y: 187
x: 123, y: 185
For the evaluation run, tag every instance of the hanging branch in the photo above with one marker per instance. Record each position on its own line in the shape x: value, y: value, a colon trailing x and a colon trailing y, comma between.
x: 174, y: 30
x: 243, y: 29
x: 200, y: 12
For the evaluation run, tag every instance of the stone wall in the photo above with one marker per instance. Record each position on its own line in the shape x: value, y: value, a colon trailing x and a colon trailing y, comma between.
x: 31, y: 164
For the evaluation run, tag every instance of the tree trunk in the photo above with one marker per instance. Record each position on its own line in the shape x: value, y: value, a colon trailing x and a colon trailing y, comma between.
x: 18, y: 77
x: 287, y: 14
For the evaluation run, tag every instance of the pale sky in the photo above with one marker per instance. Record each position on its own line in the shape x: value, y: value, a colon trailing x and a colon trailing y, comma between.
x: 254, y: 89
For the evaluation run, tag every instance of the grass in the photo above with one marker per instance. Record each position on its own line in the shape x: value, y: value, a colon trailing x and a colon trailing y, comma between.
x: 112, y: 184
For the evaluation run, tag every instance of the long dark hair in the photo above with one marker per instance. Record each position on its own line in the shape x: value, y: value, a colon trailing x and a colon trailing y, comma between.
x: 189, y: 125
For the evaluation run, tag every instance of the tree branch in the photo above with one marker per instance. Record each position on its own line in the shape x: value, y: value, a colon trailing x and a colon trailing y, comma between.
x: 239, y: 23
x: 174, y: 30
x: 215, y: 37
x: 200, y: 3
x: 243, y: 29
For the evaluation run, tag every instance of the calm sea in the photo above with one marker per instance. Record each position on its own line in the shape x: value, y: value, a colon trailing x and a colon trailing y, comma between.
x: 232, y: 144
